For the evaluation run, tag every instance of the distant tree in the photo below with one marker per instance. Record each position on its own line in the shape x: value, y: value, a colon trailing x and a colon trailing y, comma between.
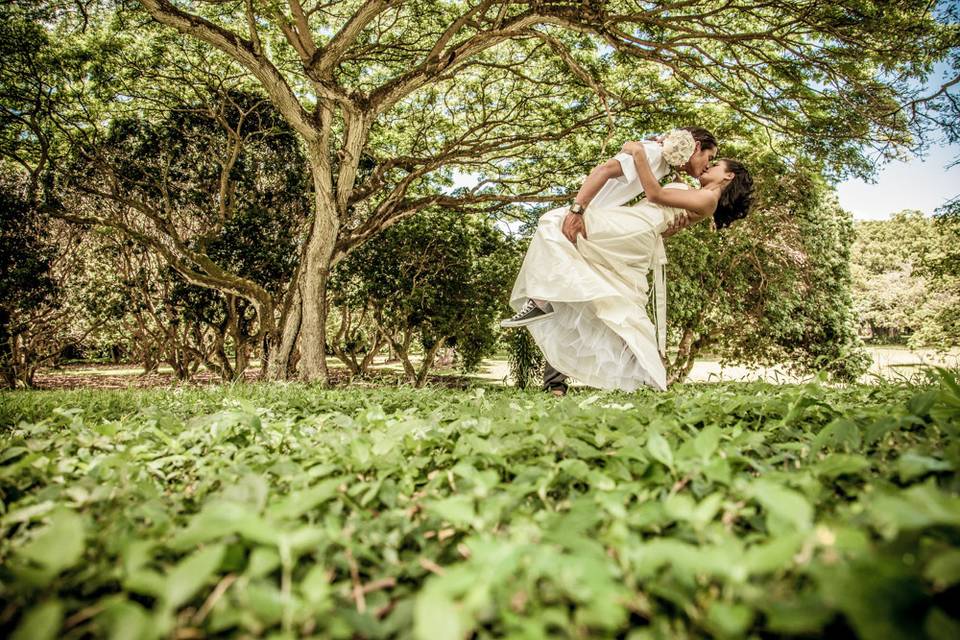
x: 903, y: 285
x: 213, y: 188
x: 43, y: 265
x: 438, y: 280
x: 26, y: 285
x: 942, y: 267
x: 773, y: 288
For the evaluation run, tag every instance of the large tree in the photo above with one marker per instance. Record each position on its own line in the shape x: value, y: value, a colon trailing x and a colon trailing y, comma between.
x: 214, y: 185
x: 389, y: 98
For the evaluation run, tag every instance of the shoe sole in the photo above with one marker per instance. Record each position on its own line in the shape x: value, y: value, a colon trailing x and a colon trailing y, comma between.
x: 508, y: 324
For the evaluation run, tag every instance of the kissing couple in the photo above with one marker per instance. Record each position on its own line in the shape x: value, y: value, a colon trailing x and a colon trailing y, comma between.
x: 583, y: 289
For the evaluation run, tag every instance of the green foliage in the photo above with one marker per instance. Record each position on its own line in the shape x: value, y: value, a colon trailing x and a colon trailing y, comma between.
x: 288, y: 510
x: 774, y: 287
x: 525, y: 358
x: 40, y: 265
x: 25, y: 254
x: 441, y: 278
x: 228, y: 172
x: 905, y: 283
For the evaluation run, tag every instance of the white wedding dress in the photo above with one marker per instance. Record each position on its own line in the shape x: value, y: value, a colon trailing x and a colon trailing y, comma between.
x: 600, y: 333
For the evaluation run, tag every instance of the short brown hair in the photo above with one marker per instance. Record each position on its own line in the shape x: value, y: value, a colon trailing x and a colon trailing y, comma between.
x: 704, y: 137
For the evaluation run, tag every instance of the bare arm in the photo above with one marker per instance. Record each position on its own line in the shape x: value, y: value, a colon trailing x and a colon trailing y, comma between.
x: 573, y: 224
x: 699, y: 202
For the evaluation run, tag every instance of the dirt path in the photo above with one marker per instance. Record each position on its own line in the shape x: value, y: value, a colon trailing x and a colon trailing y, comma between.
x: 888, y: 363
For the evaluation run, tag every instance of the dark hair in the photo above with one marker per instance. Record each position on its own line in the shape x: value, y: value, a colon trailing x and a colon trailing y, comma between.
x: 737, y: 196
x: 704, y: 137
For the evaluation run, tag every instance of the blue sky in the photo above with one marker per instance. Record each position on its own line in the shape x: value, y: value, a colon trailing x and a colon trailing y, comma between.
x: 919, y: 183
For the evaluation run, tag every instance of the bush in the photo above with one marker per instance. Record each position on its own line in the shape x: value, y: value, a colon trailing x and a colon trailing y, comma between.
x: 722, y: 510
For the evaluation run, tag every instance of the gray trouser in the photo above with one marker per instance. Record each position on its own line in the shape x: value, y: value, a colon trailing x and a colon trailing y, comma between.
x: 553, y: 379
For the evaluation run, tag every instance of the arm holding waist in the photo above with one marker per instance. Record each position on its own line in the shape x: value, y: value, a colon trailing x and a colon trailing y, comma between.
x: 682, y: 221
x: 595, y: 181
x: 573, y: 223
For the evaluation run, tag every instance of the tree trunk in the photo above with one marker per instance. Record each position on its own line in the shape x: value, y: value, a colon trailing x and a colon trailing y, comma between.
x: 403, y: 353
x: 427, y: 364
x: 316, y: 271
x: 368, y: 359
x: 690, y: 345
x: 279, y: 365
x: 7, y: 370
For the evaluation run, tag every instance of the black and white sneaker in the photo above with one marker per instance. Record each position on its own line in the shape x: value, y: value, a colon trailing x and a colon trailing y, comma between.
x: 529, y: 313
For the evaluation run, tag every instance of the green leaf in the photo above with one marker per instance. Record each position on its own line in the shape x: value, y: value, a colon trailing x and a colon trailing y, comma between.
x: 436, y: 617
x: 601, y: 481
x: 303, y: 539
x: 940, y: 626
x: 262, y: 561
x: 300, y: 502
x: 775, y: 554
x: 360, y: 452
x: 316, y: 590
x: 841, y: 433
x: 718, y: 470
x: 457, y: 510
x: 679, y: 506
x: 216, y: 520
x: 706, y: 510
x: 659, y: 449
x: 707, y: 441
x: 912, y: 465
x: 128, y: 621
x: 60, y: 544
x: 145, y: 581
x: 266, y: 601
x: 42, y: 622
x: 783, y: 503
x: 841, y: 464
x: 944, y: 570
x: 921, y: 403
x: 191, y: 574
x: 799, y: 614
x: 918, y: 507
x: 729, y: 620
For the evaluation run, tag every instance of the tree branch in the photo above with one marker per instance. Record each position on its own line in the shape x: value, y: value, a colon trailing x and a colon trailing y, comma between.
x: 243, y: 51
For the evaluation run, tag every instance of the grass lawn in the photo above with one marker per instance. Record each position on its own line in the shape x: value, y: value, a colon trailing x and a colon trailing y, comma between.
x: 285, y: 511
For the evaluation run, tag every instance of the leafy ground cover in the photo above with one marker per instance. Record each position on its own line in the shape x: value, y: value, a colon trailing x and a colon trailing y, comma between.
x: 727, y: 510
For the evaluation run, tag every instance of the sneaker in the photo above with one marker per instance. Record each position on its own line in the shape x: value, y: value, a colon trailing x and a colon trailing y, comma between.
x: 529, y: 313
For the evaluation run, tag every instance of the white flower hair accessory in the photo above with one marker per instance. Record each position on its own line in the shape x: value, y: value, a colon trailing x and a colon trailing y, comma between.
x: 678, y: 146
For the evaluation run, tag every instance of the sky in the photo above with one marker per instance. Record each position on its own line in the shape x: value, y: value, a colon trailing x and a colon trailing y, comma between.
x: 919, y: 183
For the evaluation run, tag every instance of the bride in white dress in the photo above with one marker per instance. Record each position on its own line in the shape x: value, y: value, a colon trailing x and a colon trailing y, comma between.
x: 590, y: 317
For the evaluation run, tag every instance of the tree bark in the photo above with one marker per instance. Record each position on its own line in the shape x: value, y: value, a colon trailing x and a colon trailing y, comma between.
x: 427, y: 364
x: 315, y: 271
x: 279, y: 366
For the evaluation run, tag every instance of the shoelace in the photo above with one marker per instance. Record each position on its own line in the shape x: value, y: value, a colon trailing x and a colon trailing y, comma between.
x: 526, y: 308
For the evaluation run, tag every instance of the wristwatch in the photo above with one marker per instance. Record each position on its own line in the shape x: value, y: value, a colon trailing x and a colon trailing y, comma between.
x: 576, y: 208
